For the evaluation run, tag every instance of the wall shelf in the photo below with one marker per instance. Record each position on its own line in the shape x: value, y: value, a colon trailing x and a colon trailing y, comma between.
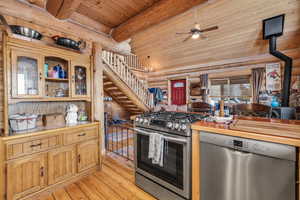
x: 57, y: 79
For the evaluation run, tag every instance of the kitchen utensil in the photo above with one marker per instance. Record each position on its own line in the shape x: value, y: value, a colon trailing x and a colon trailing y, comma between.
x: 60, y: 92
x: 27, y: 32
x: 32, y: 91
x: 66, y: 42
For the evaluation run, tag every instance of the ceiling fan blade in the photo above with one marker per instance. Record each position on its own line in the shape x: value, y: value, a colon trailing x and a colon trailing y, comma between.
x: 183, y: 33
x: 203, y: 37
x: 209, y: 29
x: 186, y: 39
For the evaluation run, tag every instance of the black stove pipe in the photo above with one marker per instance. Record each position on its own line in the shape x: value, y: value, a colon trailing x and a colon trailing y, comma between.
x: 287, y: 71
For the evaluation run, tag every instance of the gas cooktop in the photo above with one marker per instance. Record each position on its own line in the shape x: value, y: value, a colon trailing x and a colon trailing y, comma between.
x: 170, y: 122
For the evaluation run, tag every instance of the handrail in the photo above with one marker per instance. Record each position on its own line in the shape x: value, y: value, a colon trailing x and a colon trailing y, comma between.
x: 121, y: 68
x: 135, y: 63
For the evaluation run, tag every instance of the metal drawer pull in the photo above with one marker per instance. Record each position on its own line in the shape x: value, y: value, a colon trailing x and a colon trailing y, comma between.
x: 42, y: 172
x: 35, y: 145
x: 83, y: 134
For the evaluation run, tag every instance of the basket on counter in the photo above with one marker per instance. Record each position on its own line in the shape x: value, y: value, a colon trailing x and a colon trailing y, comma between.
x: 23, y: 122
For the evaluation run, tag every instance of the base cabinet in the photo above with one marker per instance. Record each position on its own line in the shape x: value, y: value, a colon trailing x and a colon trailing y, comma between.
x: 87, y: 155
x: 26, y: 176
x: 61, y: 164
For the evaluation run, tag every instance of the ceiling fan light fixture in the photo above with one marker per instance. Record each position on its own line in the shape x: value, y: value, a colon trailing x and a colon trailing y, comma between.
x: 196, y: 35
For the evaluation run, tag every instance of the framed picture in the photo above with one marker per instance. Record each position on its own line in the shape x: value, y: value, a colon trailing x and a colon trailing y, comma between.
x: 273, y: 77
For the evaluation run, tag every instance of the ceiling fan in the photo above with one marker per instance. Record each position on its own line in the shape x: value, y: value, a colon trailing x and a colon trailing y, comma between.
x: 196, y: 32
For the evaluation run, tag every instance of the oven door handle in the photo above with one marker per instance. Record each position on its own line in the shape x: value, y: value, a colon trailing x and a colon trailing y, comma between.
x: 165, y: 137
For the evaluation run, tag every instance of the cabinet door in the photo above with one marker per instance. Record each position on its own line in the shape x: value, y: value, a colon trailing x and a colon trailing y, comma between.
x: 88, y: 155
x: 61, y: 164
x: 26, y: 176
x: 81, y: 79
x: 27, y: 74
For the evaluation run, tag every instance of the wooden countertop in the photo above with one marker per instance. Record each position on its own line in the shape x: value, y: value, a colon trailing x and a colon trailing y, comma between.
x: 224, y: 129
x: 46, y: 130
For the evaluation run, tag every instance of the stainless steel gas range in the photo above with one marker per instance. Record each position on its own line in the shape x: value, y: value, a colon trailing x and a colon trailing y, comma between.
x: 172, y: 181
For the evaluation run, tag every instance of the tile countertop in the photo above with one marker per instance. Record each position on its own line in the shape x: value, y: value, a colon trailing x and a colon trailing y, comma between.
x: 224, y: 129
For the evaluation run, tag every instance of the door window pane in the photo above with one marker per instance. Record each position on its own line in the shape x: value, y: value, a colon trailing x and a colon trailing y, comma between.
x: 80, y: 80
x: 27, y: 76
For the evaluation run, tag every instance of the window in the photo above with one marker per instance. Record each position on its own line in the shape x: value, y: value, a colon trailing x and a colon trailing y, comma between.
x: 235, y: 89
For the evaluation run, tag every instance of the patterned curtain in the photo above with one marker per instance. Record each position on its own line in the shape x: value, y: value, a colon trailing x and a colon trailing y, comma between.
x: 258, y: 75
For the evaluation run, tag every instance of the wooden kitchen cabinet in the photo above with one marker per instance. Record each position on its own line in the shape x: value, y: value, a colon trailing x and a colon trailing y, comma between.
x: 26, y: 176
x: 27, y: 74
x: 61, y: 164
x: 88, y: 155
x: 81, y: 79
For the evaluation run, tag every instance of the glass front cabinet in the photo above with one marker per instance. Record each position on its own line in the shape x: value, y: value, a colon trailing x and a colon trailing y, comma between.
x: 80, y: 79
x: 48, y: 76
x: 27, y: 74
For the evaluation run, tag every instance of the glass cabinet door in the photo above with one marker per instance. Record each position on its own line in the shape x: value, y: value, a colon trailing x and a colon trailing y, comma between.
x: 81, y: 81
x: 26, y: 74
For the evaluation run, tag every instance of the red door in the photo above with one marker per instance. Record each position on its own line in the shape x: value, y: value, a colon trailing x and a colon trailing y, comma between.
x: 178, y: 92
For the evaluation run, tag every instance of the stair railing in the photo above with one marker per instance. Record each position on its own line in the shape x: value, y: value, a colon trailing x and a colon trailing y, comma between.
x: 135, y: 63
x: 120, y: 67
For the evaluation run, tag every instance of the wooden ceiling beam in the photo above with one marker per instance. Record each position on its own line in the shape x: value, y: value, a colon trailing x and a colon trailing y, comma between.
x: 160, y: 11
x: 62, y: 9
x: 40, y: 3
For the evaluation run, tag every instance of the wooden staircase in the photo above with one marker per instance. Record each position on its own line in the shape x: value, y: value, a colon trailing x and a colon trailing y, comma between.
x: 123, y: 85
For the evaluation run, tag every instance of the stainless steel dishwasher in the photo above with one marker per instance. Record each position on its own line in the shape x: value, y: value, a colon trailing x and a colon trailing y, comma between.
x: 234, y: 168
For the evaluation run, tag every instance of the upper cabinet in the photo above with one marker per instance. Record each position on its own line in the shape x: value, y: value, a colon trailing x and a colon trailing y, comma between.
x: 48, y: 74
x: 27, y: 74
x: 80, y: 79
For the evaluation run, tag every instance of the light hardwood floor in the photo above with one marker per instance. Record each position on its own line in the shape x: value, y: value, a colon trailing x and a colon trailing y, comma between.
x: 114, y: 182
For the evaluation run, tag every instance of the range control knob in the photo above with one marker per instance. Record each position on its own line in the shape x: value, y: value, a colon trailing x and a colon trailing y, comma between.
x: 169, y: 124
x: 177, y: 126
x: 141, y: 120
x: 146, y: 121
x: 137, y: 119
x: 183, y: 127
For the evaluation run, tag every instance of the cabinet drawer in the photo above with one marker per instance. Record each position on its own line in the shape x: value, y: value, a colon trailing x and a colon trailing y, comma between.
x: 80, y: 135
x: 15, y: 149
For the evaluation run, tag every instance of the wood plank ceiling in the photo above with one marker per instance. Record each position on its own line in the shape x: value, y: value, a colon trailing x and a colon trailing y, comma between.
x: 121, y: 18
x: 104, y: 13
x: 239, y: 34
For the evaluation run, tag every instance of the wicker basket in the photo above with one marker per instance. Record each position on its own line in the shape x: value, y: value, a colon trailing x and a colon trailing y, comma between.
x: 22, y: 122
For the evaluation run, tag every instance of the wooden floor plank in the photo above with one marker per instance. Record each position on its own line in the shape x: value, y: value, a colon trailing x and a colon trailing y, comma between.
x: 114, y: 182
x: 75, y: 192
x: 126, y: 183
x: 46, y: 198
x: 61, y: 194
x: 88, y: 191
x: 116, y: 187
x: 106, y: 191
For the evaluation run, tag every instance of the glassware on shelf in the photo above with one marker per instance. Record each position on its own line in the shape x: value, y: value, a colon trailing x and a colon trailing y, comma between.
x: 80, y: 81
